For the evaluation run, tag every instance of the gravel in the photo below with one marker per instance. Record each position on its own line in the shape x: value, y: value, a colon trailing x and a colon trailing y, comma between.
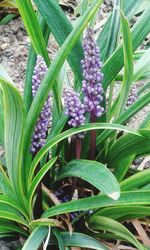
x: 14, y: 45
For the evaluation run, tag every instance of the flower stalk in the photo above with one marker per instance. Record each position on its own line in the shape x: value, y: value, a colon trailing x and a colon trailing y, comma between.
x: 92, y: 84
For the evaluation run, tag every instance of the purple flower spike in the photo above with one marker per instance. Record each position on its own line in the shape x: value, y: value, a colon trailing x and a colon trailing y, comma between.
x: 74, y: 109
x: 38, y: 138
x: 92, y: 83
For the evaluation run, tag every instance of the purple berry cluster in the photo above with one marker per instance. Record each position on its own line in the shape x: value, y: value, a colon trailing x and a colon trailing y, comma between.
x: 132, y: 97
x: 74, y: 108
x: 93, y: 77
x: 39, y: 136
x: 64, y: 197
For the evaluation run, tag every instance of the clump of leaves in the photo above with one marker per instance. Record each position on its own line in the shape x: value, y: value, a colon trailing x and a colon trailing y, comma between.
x: 72, y: 186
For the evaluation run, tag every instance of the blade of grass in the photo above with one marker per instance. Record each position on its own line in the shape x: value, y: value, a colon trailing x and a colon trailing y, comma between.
x: 128, y: 64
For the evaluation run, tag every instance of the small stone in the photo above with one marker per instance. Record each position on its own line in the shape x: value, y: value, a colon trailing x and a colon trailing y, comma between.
x: 15, y: 26
x: 4, y: 46
x: 5, y: 39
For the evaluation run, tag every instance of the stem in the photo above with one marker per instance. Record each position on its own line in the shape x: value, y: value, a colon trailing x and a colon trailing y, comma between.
x: 78, y: 148
x: 77, y: 156
x: 92, y: 151
x: 109, y: 112
x: 38, y: 203
x: 46, y: 178
x: 110, y: 100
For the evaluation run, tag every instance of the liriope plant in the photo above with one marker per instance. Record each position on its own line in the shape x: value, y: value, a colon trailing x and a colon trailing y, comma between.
x: 65, y: 176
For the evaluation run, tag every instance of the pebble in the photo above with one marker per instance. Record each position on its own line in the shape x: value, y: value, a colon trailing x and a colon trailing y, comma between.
x: 108, y: 2
x: 4, y: 46
x: 5, y: 39
x: 14, y: 50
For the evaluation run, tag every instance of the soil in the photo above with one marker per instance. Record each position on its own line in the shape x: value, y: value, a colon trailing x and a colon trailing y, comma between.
x: 14, y: 45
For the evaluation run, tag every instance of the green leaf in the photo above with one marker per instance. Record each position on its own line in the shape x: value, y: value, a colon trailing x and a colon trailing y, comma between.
x: 129, y: 8
x: 3, y: 235
x: 129, y: 145
x: 93, y: 172
x: 13, y: 217
x: 8, y: 3
x: 126, y: 115
x: 123, y: 166
x: 39, y: 177
x: 61, y: 28
x: 145, y: 87
x: 31, y: 64
x: 146, y: 122
x: 3, y: 161
x: 136, y: 181
x: 45, y: 222
x: 73, y: 131
x: 81, y: 240
x: 97, y: 223
x: 5, y: 185
x: 31, y: 23
x: 146, y: 187
x: 127, y: 198
x: 14, y: 122
x: 124, y: 212
x: 10, y: 227
x: 113, y: 33
x: 128, y: 64
x: 114, y: 64
x: 1, y: 120
x: 82, y: 7
x: 57, y: 128
x: 5, y: 20
x: 36, y: 238
x: 11, y: 205
x: 142, y: 66
x: 59, y: 238
x: 28, y: 80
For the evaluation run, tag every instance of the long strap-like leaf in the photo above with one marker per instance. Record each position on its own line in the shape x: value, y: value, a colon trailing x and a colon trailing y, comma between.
x: 114, y: 64
x: 14, y: 122
x: 99, y: 201
x: 61, y: 28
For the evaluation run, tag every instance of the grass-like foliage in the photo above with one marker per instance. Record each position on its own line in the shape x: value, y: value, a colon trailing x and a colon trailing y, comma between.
x: 70, y: 184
